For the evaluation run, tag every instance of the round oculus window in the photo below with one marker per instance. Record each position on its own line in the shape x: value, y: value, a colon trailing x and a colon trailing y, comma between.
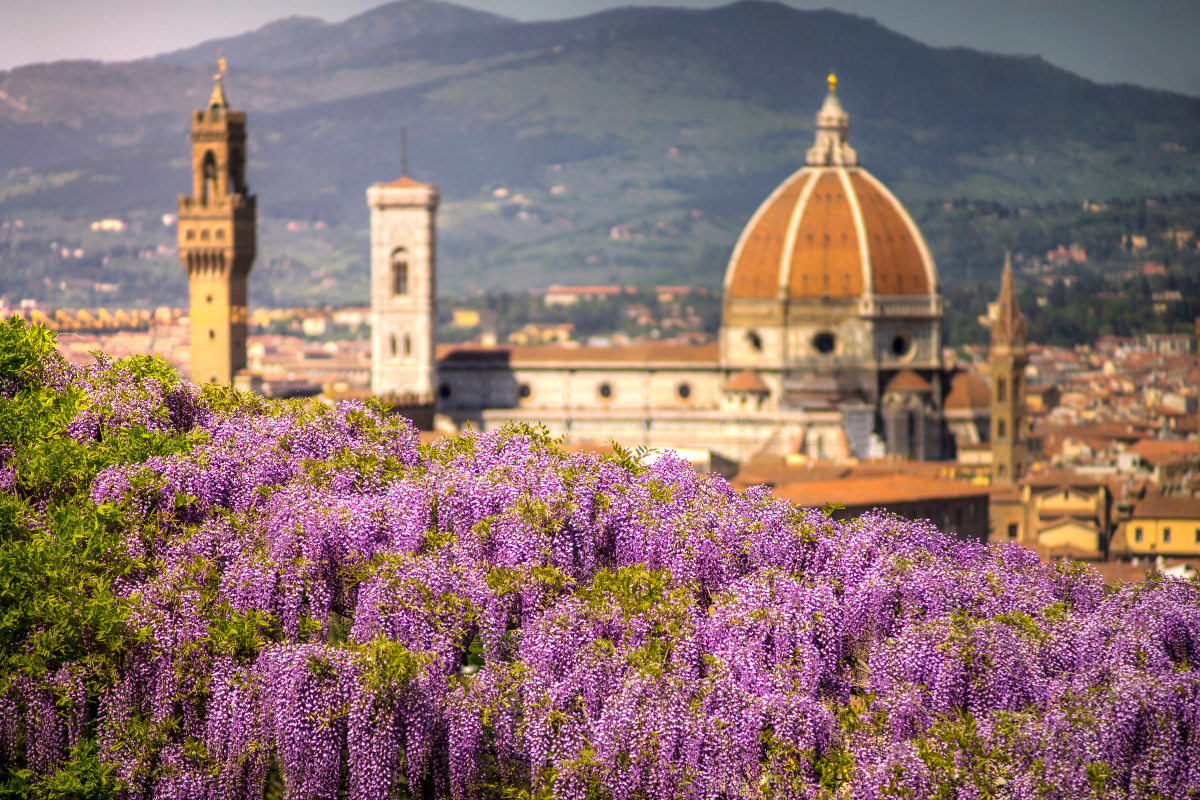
x: 684, y: 390
x: 901, y: 344
x: 824, y: 342
x: 755, y: 341
x: 605, y: 390
x: 444, y: 391
x: 524, y: 391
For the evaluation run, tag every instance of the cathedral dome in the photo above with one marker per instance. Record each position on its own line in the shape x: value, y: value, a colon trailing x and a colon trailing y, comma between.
x: 830, y: 231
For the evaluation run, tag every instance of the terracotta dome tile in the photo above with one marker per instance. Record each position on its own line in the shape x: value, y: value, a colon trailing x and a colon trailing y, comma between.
x: 756, y: 272
x: 908, y: 381
x: 826, y: 260
x: 896, y: 259
x: 747, y: 381
x: 967, y: 391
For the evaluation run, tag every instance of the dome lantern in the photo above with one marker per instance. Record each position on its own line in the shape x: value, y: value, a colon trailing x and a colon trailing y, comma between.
x: 832, y: 147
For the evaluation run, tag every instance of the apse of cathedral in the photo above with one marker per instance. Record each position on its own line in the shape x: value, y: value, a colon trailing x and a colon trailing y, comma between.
x: 829, y: 345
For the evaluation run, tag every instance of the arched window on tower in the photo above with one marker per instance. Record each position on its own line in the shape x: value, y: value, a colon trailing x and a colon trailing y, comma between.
x: 392, y: 344
x: 1001, y: 394
x: 400, y: 272
x: 407, y: 345
x: 209, y: 187
x: 1000, y: 432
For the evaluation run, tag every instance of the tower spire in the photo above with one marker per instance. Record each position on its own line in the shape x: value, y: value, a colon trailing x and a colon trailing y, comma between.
x: 218, y: 99
x: 832, y: 146
x: 1010, y: 450
x: 1009, y: 328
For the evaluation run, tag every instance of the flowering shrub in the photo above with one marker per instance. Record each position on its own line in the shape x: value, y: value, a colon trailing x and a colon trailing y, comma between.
x: 209, y: 595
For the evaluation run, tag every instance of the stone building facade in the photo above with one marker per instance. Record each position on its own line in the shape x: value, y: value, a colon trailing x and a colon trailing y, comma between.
x: 218, y: 240
x: 829, y: 344
x: 403, y: 288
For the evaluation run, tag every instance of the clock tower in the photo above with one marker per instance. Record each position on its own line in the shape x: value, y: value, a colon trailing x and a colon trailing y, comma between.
x: 217, y: 239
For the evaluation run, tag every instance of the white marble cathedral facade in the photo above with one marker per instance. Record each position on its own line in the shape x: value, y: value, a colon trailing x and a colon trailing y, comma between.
x: 829, y: 344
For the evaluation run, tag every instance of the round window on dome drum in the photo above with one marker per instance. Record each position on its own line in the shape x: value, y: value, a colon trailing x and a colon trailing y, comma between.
x: 605, y: 390
x: 824, y: 342
x: 901, y: 345
x: 684, y: 390
x: 754, y: 340
x: 524, y: 391
x: 444, y: 391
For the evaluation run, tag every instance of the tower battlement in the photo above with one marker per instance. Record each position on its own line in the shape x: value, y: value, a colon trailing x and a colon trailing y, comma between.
x: 218, y: 240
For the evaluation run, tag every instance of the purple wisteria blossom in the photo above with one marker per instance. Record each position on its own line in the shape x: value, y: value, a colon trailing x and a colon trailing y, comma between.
x: 333, y: 606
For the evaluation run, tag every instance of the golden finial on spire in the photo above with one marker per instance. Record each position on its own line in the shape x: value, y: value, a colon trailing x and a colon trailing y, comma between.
x: 832, y: 79
x: 218, y: 94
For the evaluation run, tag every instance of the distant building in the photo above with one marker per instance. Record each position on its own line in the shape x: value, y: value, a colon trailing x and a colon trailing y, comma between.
x: 1166, y: 344
x: 403, y: 288
x: 473, y: 318
x: 570, y: 295
x: 218, y: 241
x: 1056, y: 514
x: 542, y: 333
x: 830, y: 340
x: 1162, y: 526
x: 955, y: 507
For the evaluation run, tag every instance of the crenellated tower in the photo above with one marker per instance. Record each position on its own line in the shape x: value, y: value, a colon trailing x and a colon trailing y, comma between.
x: 218, y: 239
x: 1010, y: 449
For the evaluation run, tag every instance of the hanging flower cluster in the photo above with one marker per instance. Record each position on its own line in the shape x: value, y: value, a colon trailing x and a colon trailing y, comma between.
x: 316, y: 604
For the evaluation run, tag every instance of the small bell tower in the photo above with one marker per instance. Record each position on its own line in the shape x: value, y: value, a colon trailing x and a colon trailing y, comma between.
x: 1008, y: 356
x: 404, y: 286
x: 218, y: 239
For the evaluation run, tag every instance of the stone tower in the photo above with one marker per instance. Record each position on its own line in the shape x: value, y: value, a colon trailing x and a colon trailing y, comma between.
x: 1010, y: 450
x: 218, y: 240
x: 403, y: 288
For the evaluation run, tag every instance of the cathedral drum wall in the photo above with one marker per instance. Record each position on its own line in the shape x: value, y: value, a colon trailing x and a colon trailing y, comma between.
x: 913, y: 343
x: 751, y: 346
x: 852, y: 342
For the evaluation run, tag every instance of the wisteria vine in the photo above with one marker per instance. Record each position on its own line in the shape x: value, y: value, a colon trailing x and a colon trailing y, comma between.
x: 317, y: 604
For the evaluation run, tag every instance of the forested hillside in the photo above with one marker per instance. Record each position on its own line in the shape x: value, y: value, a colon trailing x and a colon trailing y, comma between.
x: 625, y: 146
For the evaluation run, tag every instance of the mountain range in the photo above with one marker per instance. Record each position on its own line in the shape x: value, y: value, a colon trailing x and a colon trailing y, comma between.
x: 628, y: 145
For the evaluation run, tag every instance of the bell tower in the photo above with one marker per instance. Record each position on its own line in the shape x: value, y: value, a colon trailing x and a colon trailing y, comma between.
x: 1010, y: 448
x: 403, y: 287
x: 217, y: 239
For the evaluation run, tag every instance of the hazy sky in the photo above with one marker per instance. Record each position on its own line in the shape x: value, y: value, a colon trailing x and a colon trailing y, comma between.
x: 1149, y: 42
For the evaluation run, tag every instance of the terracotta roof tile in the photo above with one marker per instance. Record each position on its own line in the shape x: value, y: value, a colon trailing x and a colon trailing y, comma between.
x: 908, y: 381
x: 813, y: 214
x: 876, y: 492
x: 968, y: 391
x: 827, y: 260
x: 405, y: 182
x: 1156, y: 452
x: 747, y: 381
x: 897, y: 264
x: 1160, y: 507
x: 756, y: 274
